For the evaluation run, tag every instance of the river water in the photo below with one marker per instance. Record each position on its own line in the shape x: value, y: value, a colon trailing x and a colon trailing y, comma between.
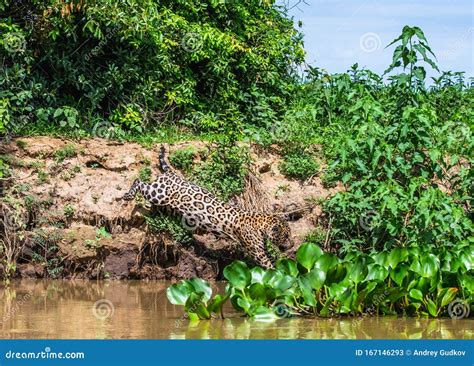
x: 140, y: 309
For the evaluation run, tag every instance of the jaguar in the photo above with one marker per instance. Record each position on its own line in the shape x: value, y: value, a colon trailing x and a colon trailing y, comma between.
x: 200, y: 209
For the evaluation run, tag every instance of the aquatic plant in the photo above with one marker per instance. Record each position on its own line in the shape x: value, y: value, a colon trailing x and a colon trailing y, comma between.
x: 409, y: 281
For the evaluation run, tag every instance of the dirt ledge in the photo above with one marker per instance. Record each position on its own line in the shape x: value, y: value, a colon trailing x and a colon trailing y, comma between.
x: 71, y: 197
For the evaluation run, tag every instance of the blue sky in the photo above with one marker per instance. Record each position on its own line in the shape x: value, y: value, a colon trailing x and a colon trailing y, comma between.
x: 339, y: 33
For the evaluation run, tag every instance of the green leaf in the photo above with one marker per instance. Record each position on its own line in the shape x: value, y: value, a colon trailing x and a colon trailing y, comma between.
x: 429, y: 265
x: 258, y: 292
x: 416, y: 294
x: 195, y: 305
x: 316, y: 278
x: 203, y: 286
x: 307, y: 292
x: 447, y: 295
x: 307, y: 255
x: 287, y: 266
x: 216, y: 303
x: 358, y: 271
x: 376, y: 272
x: 399, y: 273
x: 257, y: 274
x: 432, y: 308
x: 326, y: 261
x: 396, y: 256
x: 179, y: 293
x: 238, y: 274
x: 264, y: 313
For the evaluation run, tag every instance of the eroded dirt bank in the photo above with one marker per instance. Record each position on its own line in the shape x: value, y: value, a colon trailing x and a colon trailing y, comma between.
x: 63, y: 192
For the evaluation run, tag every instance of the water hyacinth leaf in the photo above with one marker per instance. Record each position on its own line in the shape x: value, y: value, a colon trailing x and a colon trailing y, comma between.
x: 306, y: 291
x: 264, y: 313
x: 467, y: 259
x: 257, y: 274
x: 416, y: 294
x: 244, y: 304
x: 307, y: 255
x: 381, y: 258
x: 216, y: 303
x: 396, y: 256
x: 376, y: 272
x: 288, y: 267
x: 337, y: 273
x: 195, y: 305
x: 316, y: 278
x: 432, y: 308
x: 336, y: 290
x: 399, y: 273
x: 415, y: 266
x: 258, y: 292
x: 203, y: 286
x: 238, y: 274
x: 429, y: 265
x: 179, y: 293
x: 326, y: 261
x: 447, y: 295
x: 467, y: 282
x: 358, y: 271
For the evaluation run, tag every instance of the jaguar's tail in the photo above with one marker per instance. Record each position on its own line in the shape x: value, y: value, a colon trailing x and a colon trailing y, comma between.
x: 163, y: 165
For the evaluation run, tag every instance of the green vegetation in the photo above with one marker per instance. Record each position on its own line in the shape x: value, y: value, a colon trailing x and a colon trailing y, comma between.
x: 114, y: 70
x: 400, y: 231
x: 66, y: 152
x: 299, y: 166
x: 158, y: 222
x: 183, y: 159
x: 409, y: 281
x: 402, y: 226
x: 145, y: 174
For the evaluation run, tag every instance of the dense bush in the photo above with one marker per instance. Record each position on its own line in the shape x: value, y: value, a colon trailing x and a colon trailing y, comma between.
x: 402, y: 151
x: 136, y: 65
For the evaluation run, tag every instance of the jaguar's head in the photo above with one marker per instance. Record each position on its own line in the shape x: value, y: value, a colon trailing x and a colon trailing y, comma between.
x: 280, y: 233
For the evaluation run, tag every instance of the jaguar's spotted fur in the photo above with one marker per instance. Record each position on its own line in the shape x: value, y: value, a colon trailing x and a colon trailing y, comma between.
x: 201, y: 209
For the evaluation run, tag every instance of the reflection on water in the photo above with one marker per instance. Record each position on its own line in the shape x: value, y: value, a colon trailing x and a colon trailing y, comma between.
x: 139, y: 309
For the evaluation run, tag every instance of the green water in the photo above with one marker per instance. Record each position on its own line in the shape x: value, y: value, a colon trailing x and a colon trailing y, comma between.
x: 139, y: 309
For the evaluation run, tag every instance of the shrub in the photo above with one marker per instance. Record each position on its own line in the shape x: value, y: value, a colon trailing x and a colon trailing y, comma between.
x: 299, y: 166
